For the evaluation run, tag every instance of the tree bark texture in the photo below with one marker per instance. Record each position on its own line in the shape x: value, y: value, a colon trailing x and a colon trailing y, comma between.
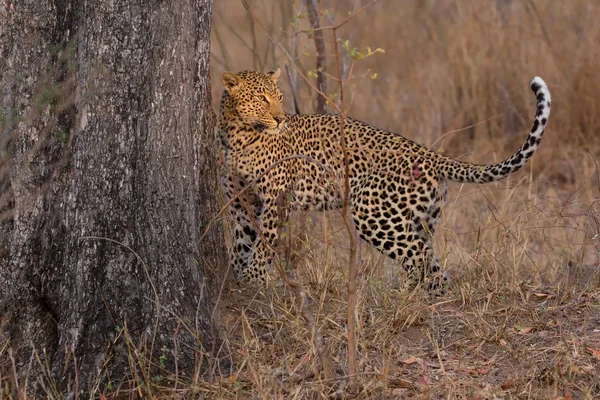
x: 109, y: 180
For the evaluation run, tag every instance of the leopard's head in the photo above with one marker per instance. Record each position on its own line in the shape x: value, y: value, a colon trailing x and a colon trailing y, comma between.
x: 254, y: 98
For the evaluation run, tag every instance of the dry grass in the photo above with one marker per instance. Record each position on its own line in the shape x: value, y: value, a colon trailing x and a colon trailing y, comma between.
x: 522, y: 318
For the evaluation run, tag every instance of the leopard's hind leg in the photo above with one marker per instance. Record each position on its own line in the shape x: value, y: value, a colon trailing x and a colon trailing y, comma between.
x: 398, y: 216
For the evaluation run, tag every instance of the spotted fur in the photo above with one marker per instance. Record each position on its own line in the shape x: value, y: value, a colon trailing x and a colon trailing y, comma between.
x: 397, y: 187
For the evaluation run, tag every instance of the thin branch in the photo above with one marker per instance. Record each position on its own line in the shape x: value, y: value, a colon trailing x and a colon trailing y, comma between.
x: 290, y: 58
x: 351, y: 316
x: 348, y: 221
x: 295, y: 282
x: 344, y: 22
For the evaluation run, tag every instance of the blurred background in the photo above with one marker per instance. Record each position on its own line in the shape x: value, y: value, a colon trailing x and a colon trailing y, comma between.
x: 453, y: 75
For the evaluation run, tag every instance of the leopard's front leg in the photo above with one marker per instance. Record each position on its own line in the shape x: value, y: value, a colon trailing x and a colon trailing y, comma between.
x: 265, y: 245
x: 245, y: 238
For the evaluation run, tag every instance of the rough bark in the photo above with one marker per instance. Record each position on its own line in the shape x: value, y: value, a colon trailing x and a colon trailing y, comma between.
x: 113, y: 181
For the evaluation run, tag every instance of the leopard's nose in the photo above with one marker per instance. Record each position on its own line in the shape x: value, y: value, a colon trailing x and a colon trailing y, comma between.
x: 279, y: 119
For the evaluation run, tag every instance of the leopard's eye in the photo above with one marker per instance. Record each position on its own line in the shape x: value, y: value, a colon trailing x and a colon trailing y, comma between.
x: 263, y: 98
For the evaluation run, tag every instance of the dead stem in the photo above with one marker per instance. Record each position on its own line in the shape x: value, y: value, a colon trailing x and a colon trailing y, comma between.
x: 294, y: 281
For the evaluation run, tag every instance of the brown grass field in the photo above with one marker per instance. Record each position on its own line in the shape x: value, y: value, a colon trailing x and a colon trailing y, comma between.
x: 522, y: 317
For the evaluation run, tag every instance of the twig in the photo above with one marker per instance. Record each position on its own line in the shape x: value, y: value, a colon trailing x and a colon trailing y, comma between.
x: 212, y: 368
x: 351, y: 283
x: 351, y: 316
x: 295, y: 282
x: 175, y: 355
x: 291, y: 59
x: 465, y: 128
x: 344, y: 22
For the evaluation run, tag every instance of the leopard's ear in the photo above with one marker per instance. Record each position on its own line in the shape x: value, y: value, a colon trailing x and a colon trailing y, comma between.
x: 274, y: 75
x: 232, y: 82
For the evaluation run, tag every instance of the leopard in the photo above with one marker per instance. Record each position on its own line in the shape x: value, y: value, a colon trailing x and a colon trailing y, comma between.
x: 394, y: 188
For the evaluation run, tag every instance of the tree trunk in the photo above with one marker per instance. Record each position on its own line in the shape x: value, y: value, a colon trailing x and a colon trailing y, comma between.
x: 108, y: 182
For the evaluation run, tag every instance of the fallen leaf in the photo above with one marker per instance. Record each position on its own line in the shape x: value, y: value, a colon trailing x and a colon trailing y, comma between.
x: 424, y: 380
x: 410, y: 360
x: 525, y: 331
x: 229, y: 379
x: 404, y: 384
x: 506, y: 385
x: 305, y: 359
x: 477, y: 372
x: 595, y: 353
x: 567, y: 396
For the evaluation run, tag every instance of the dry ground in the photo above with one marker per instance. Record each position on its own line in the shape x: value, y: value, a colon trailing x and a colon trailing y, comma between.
x: 529, y: 342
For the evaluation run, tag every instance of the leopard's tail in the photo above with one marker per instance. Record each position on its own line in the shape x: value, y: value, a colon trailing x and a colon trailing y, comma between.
x: 460, y: 171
